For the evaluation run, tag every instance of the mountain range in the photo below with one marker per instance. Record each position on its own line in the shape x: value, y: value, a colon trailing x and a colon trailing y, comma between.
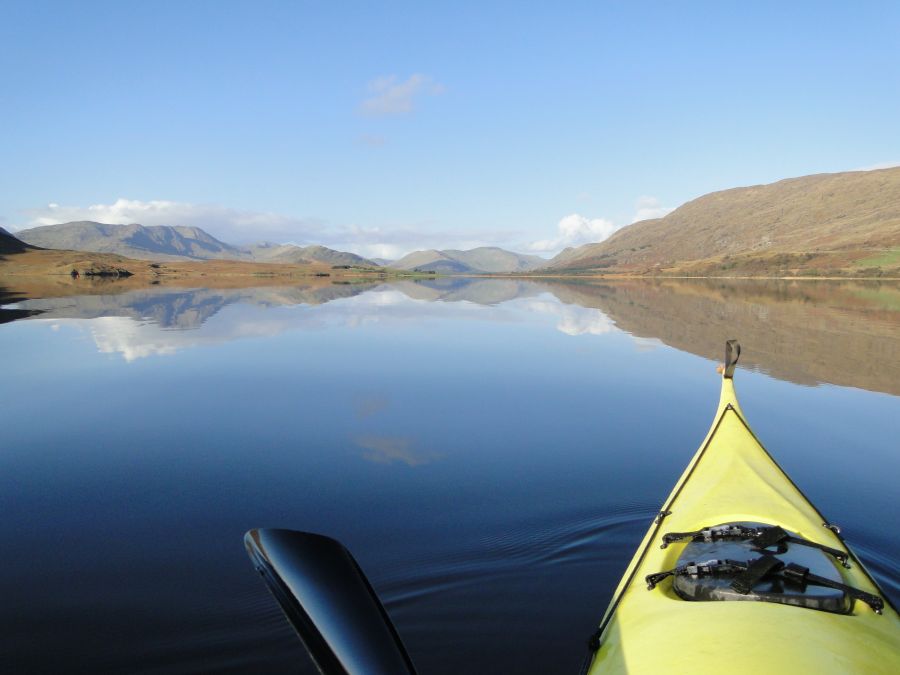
x: 486, y: 259
x: 170, y: 243
x: 291, y: 254
x: 815, y: 224
x: 820, y: 225
x: 173, y: 243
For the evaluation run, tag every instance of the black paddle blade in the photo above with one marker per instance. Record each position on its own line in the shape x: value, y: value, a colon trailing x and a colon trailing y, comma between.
x: 329, y: 601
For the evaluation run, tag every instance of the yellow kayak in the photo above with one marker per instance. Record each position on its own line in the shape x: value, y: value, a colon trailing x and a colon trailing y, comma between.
x: 740, y: 573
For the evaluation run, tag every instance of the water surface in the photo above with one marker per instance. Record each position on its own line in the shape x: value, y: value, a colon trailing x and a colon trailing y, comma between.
x: 491, y: 451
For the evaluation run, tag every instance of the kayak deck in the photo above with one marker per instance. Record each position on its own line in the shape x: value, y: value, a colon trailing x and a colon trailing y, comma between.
x: 732, y: 478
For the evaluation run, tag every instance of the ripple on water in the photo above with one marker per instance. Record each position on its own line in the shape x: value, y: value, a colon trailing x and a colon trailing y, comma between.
x: 565, y: 541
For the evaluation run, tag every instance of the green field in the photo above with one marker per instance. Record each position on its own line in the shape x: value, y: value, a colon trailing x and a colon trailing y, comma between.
x: 888, y: 258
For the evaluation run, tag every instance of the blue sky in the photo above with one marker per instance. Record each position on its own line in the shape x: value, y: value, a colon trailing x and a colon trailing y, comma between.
x: 382, y: 129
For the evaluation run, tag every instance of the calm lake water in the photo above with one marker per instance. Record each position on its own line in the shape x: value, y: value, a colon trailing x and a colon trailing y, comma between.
x: 491, y: 451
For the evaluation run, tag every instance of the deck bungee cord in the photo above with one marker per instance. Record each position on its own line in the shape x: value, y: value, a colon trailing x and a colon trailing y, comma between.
x: 760, y: 539
x: 747, y: 574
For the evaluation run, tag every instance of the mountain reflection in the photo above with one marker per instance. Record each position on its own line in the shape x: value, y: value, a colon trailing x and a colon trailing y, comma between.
x: 807, y: 332
x: 182, y: 309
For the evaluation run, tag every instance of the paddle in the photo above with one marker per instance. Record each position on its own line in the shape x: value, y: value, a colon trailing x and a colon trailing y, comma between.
x: 329, y: 601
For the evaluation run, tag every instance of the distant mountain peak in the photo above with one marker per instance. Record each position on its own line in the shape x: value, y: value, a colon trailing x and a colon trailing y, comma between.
x: 156, y: 242
x: 483, y: 259
x: 291, y: 253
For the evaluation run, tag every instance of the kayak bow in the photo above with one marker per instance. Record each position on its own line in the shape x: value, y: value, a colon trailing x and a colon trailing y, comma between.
x: 739, y: 573
x: 672, y: 613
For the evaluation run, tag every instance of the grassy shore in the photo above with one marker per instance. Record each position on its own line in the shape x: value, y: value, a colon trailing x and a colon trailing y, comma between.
x: 45, y: 272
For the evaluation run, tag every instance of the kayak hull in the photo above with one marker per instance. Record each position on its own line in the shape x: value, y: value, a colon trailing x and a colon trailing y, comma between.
x: 732, y: 478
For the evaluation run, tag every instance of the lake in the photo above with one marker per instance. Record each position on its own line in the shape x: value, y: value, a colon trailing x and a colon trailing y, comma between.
x: 491, y: 451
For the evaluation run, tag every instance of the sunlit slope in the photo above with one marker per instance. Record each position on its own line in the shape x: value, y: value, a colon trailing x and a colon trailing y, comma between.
x: 813, y: 224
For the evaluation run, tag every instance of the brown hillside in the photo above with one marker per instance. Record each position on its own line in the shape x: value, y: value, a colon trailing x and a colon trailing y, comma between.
x: 842, y: 222
x: 42, y: 266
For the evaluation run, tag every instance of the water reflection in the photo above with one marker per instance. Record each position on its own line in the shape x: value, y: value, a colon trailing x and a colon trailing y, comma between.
x: 807, y: 332
x: 483, y: 446
x: 574, y: 319
x: 179, y: 308
x: 387, y: 449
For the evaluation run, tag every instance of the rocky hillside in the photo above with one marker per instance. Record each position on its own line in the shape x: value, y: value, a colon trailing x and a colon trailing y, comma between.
x: 159, y: 242
x: 10, y: 244
x: 841, y: 223
x: 486, y: 259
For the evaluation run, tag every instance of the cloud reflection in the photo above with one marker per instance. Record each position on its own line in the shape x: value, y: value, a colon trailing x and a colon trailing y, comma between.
x: 370, y: 405
x: 574, y: 319
x: 388, y: 449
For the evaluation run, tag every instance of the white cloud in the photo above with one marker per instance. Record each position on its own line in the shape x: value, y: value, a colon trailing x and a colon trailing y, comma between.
x: 574, y: 230
x: 392, y: 96
x: 648, y: 207
x: 385, y: 251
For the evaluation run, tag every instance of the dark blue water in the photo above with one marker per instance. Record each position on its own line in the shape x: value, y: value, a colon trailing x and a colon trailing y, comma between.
x: 491, y: 452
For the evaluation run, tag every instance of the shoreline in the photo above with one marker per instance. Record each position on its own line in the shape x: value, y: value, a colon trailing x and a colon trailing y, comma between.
x: 613, y: 277
x: 54, y: 267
